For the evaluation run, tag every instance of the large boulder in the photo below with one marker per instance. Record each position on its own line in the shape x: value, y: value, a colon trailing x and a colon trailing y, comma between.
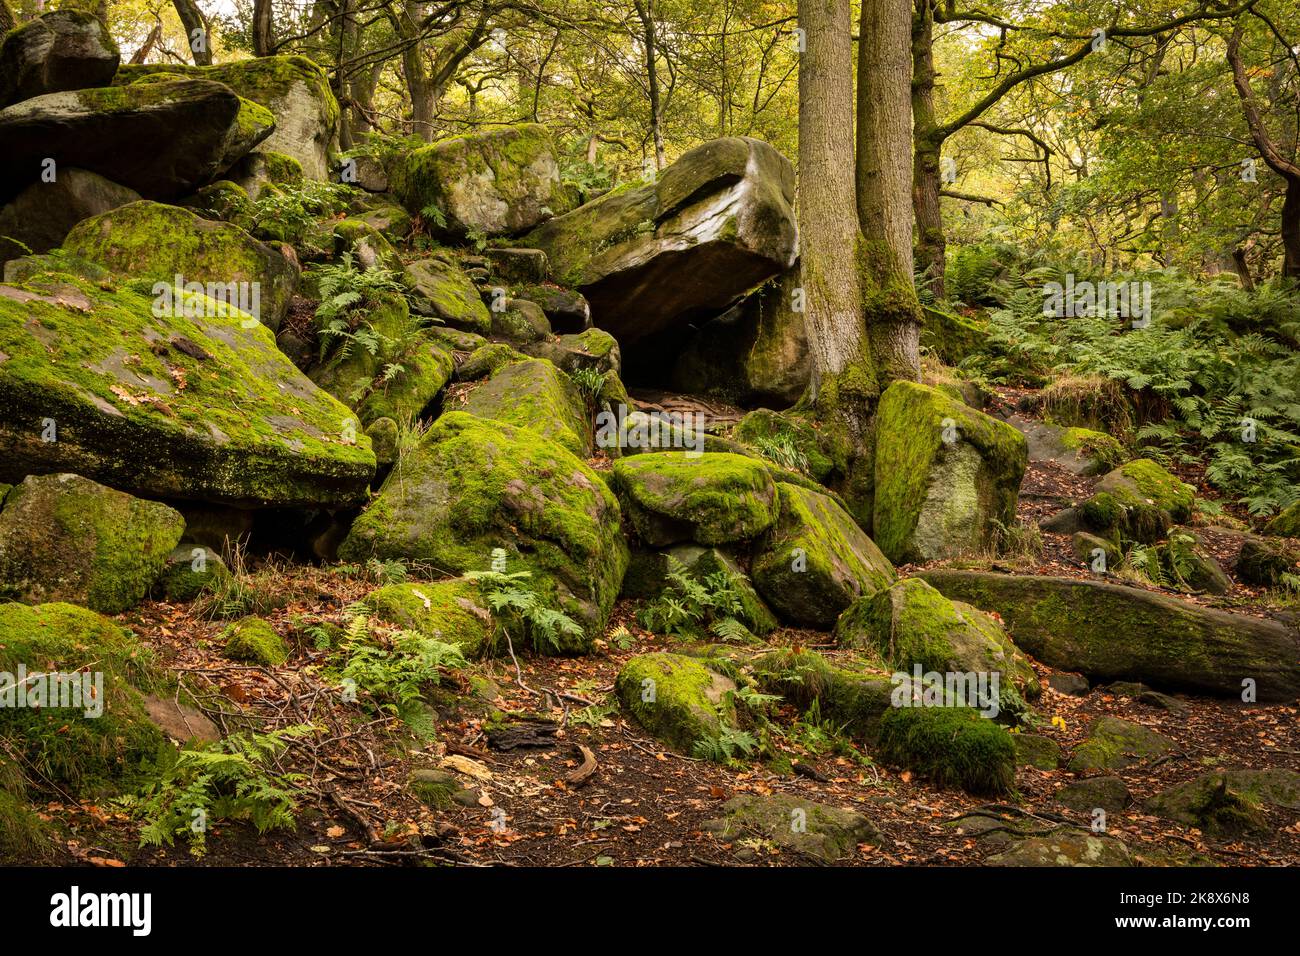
x: 161, y: 139
x: 293, y: 88
x: 1138, y: 501
x: 473, y: 485
x: 41, y: 215
x: 534, y: 394
x: 709, y: 498
x: 911, y: 624
x: 1114, y: 743
x: 63, y: 50
x: 67, y: 538
x: 1227, y: 803
x: 201, y: 407
x: 676, y: 698
x: 946, y: 475
x: 716, y: 224
x: 497, y: 183
x: 1112, y: 632
x: 754, y: 353
x: 816, y: 561
x: 153, y: 242
x: 449, y: 293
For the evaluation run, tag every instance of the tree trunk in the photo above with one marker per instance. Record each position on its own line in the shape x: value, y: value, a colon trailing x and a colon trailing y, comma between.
x: 263, y: 28
x: 7, y: 20
x: 200, y: 43
x: 843, y: 385
x: 645, y: 11
x: 1291, y: 229
x: 884, y: 187
x: 926, y: 178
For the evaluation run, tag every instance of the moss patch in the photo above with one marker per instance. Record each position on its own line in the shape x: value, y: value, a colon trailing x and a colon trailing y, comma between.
x: 447, y: 611
x: 676, y: 698
x: 254, y: 639
x: 951, y: 746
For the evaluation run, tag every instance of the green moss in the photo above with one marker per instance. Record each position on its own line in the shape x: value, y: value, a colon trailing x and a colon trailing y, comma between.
x: 450, y: 293
x: 1114, y: 744
x: 1144, y: 482
x: 762, y: 427
x: 816, y: 561
x: 246, y: 427
x: 854, y: 699
x: 66, y: 538
x: 677, y: 699
x: 710, y: 498
x: 1107, y: 450
x: 473, y: 485
x: 534, y: 394
x: 950, y: 746
x: 66, y: 747
x: 283, y: 170
x: 938, y: 498
x: 447, y: 611
x: 1286, y: 524
x: 253, y: 639
x: 190, y: 571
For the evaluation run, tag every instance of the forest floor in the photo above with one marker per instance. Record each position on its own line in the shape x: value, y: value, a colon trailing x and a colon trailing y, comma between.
x: 645, y: 805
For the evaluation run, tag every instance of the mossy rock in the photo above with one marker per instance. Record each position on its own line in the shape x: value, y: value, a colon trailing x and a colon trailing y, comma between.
x: 449, y: 611
x: 473, y: 485
x: 92, y: 749
x: 1097, y: 553
x: 708, y: 498
x: 1228, y: 804
x: 487, y: 360
x: 1189, y: 566
x: 1064, y: 849
x: 774, y: 433
x: 593, y: 349
x: 203, y: 408
x: 1286, y: 524
x: 1037, y: 751
x: 367, y: 245
x: 647, y: 577
x: 1095, y: 793
x: 1144, y: 482
x: 253, y: 639
x: 293, y: 88
x: 384, y: 436
x: 816, y: 561
x: 1266, y: 563
x: 222, y: 200
x: 852, y: 698
x: 521, y: 322
x: 190, y: 570
x: 795, y: 825
x: 1124, y: 519
x: 1114, y: 743
x: 950, y: 746
x: 66, y: 49
x: 452, y: 297
x: 675, y: 698
x: 66, y: 538
x: 950, y: 336
x: 946, y: 475
x: 441, y: 789
x: 534, y: 394
x: 755, y: 613
x: 389, y: 220
x: 500, y: 182
x: 155, y: 243
x: 1092, y: 627
x: 911, y: 624
x: 1103, y: 451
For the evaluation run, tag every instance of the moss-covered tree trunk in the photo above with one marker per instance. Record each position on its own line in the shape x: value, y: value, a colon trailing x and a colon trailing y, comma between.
x: 926, y: 179
x: 7, y: 20
x: 884, y: 187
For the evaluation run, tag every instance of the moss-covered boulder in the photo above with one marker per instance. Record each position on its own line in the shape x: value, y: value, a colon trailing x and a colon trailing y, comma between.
x: 155, y: 243
x: 534, y: 394
x: 473, y: 485
x: 795, y: 825
x: 950, y: 336
x: 1143, y: 482
x: 202, y: 407
x: 190, y: 570
x: 1114, y: 743
x: 722, y: 215
x: 453, y: 612
x: 1286, y: 524
x: 593, y: 349
x: 405, y: 373
x: 500, y: 182
x: 1111, y: 632
x: 365, y: 244
x: 788, y: 440
x: 254, y: 640
x: 677, y: 699
x: 163, y: 140
x: 58, y: 51
x: 1106, y: 793
x: 816, y: 561
x: 84, y: 736
x: 707, y: 498
x: 1190, y: 566
x: 1037, y: 751
x: 293, y: 88
x: 1266, y: 563
x: 66, y: 538
x: 853, y: 698
x: 521, y: 322
x: 950, y: 746
x: 261, y: 171
x: 1064, y: 849
x: 450, y: 295
x: 1228, y: 804
x: 946, y: 475
x: 911, y: 624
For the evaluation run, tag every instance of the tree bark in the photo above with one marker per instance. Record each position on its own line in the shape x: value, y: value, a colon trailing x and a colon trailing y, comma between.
x: 192, y: 19
x: 7, y: 19
x: 884, y: 187
x: 263, y: 28
x: 645, y: 12
x: 931, y: 253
